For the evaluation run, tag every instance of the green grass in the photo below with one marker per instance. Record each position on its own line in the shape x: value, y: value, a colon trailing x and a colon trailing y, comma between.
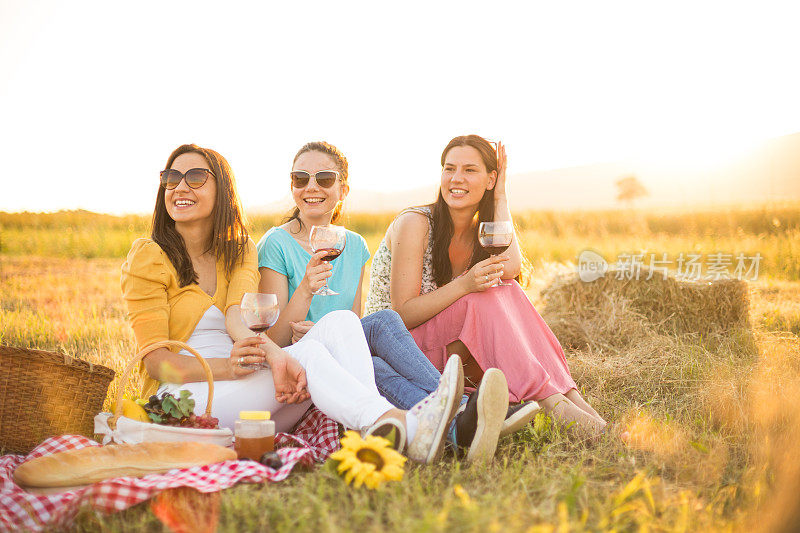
x: 712, y: 420
x: 546, y: 236
x: 562, y: 484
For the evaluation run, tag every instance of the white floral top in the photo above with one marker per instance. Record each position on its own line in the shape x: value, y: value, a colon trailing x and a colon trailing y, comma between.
x: 380, y: 273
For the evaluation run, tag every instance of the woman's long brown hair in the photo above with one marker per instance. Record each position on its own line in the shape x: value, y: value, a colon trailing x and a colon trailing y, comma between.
x: 442, y: 222
x: 229, y: 236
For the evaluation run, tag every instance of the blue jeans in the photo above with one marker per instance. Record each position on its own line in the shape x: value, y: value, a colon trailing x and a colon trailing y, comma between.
x: 403, y: 374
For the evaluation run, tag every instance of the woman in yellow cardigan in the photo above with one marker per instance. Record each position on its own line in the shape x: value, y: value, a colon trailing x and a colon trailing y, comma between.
x: 186, y: 282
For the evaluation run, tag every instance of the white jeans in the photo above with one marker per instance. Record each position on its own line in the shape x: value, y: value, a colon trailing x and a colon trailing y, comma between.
x: 341, y: 380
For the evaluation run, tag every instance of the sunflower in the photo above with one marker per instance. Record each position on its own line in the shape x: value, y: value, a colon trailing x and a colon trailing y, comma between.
x: 369, y: 462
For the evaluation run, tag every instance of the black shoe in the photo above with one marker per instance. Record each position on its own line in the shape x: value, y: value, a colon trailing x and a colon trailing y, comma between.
x: 478, y: 426
x: 518, y: 416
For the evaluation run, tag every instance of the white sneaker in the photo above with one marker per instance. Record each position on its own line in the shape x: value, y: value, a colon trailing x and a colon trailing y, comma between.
x: 435, y: 412
x: 492, y: 405
x: 392, y: 430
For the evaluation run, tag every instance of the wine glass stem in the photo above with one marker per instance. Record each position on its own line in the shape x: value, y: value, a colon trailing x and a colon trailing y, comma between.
x: 263, y: 336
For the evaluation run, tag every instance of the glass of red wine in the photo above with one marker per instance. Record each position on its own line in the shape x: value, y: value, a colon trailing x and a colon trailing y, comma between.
x: 331, y: 239
x: 495, y: 238
x: 259, y: 311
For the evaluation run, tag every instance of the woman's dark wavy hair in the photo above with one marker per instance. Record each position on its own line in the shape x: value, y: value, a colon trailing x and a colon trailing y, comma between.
x: 341, y: 165
x: 229, y: 234
x: 442, y: 222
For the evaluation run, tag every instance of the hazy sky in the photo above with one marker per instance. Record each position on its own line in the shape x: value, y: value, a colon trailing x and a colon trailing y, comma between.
x: 95, y: 95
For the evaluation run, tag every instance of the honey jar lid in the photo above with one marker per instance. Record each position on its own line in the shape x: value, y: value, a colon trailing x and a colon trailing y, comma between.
x: 254, y: 415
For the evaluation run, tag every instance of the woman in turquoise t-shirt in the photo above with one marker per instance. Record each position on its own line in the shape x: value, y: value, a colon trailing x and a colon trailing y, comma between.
x: 281, y: 252
x: 402, y: 372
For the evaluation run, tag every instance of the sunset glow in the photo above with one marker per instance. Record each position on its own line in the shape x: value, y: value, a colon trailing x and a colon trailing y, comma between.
x: 94, y: 95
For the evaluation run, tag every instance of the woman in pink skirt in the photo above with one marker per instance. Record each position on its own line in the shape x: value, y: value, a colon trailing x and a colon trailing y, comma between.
x: 431, y: 269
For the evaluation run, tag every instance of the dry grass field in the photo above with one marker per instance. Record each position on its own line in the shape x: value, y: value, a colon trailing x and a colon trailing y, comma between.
x: 711, y: 406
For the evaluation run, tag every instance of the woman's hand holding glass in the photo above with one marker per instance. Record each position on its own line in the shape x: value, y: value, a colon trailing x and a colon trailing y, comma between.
x: 330, y: 239
x: 496, y: 237
x: 484, y: 274
x: 259, y: 312
x: 317, y: 273
x: 246, y: 357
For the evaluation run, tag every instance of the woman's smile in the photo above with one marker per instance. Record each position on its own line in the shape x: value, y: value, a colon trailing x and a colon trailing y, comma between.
x: 182, y: 203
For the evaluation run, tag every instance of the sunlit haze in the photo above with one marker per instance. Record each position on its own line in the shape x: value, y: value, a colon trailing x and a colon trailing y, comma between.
x: 95, y: 95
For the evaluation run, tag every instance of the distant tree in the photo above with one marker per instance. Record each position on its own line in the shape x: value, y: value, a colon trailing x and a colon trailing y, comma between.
x: 629, y: 189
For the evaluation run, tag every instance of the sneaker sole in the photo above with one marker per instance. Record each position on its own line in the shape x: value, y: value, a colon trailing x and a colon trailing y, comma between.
x: 492, y: 408
x: 457, y: 390
x: 385, y: 427
x: 520, y: 419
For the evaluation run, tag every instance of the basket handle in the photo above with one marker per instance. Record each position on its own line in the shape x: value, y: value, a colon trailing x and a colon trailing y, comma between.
x: 112, y: 421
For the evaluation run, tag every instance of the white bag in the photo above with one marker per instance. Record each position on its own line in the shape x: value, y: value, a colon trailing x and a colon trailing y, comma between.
x: 129, y: 431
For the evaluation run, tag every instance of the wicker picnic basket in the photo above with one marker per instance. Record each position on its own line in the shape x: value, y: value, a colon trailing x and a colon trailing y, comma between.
x: 126, y: 430
x: 43, y: 394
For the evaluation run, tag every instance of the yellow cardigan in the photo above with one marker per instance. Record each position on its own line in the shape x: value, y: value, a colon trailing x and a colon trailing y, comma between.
x: 159, y: 309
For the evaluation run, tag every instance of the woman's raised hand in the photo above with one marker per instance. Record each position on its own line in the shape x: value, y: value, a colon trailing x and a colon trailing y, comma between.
x: 502, y: 165
x: 317, y: 273
x: 246, y: 351
x: 484, y: 274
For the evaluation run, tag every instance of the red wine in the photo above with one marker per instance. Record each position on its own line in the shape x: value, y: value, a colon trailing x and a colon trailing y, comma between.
x: 494, y: 250
x: 333, y: 253
x: 259, y: 328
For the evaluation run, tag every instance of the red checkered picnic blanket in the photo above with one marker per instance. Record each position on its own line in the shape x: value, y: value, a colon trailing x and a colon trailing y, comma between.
x: 314, y: 439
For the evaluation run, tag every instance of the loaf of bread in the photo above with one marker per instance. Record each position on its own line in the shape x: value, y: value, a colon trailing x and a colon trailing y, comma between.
x: 96, y: 463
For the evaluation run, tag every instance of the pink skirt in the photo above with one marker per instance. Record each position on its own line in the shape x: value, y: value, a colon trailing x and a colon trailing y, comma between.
x: 501, y: 329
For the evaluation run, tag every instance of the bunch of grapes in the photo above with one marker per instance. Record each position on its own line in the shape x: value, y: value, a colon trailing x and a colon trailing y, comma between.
x: 168, y: 410
x: 201, y: 422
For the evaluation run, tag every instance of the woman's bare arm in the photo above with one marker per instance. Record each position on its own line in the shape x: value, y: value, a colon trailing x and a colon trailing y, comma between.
x: 408, y: 237
x: 513, y: 266
x: 357, y: 299
x: 169, y: 367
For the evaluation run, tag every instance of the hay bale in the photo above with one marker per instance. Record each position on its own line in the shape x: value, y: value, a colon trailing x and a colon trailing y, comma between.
x: 612, y: 312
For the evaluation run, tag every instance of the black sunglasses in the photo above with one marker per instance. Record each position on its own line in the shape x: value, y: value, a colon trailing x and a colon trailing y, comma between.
x: 195, y: 177
x: 324, y: 178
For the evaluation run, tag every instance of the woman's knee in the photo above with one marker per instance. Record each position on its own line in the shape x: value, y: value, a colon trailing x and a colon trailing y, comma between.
x: 388, y: 316
x: 481, y: 297
x: 381, y: 367
x: 494, y: 294
x: 480, y: 303
x: 387, y: 321
x: 341, y: 318
x: 309, y: 351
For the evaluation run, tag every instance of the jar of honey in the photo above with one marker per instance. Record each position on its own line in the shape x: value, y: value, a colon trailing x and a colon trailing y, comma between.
x: 254, y: 434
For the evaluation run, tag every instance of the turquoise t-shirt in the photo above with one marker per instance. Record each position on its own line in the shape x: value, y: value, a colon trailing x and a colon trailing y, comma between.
x: 277, y: 250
